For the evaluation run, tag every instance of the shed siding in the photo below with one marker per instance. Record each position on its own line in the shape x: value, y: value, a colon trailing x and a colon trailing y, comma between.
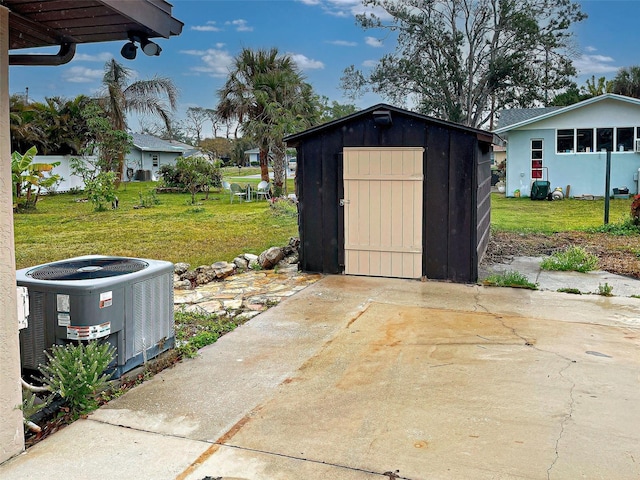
x: 455, y: 198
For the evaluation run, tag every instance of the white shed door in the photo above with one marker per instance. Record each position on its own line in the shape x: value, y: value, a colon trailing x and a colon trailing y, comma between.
x: 383, y: 211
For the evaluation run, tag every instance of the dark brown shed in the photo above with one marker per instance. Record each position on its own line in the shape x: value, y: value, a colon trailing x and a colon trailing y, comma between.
x: 389, y: 192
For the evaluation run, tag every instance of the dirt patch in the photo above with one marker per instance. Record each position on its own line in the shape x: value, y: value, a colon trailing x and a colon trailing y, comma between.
x: 616, y: 254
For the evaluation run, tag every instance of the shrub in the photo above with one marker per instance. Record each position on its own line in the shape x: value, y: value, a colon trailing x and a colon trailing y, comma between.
x: 573, y: 258
x: 284, y: 207
x: 101, y: 190
x: 76, y: 373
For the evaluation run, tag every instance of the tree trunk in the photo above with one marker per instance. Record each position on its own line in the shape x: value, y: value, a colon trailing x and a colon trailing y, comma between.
x: 264, y: 165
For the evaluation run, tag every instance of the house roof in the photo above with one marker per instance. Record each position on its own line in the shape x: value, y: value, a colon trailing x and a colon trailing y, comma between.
x: 37, y: 23
x: 518, y: 115
x: 149, y: 143
x: 517, y: 118
x: 481, y: 134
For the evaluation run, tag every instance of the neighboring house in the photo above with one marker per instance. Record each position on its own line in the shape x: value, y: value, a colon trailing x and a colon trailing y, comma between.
x: 568, y: 145
x: 149, y: 153
x: 252, y: 156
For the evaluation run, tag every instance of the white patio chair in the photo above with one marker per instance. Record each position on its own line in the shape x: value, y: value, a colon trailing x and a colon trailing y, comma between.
x: 263, y: 190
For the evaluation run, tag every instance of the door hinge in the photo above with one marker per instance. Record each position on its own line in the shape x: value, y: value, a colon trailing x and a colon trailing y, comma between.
x: 344, y: 202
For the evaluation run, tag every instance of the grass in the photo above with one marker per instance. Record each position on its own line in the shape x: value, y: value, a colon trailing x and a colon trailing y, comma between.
x: 527, y: 216
x: 173, y: 230
x: 510, y: 279
x: 575, y: 259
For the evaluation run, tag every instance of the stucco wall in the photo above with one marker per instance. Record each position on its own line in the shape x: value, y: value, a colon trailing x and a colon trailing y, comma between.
x: 585, y: 172
x: 139, y: 160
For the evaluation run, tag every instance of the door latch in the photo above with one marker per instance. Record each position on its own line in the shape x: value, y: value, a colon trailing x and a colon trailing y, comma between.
x: 344, y: 202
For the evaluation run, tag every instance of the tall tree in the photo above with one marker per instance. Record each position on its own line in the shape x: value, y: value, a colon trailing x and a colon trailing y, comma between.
x: 157, y: 96
x: 462, y: 60
x: 627, y: 82
x: 267, y: 96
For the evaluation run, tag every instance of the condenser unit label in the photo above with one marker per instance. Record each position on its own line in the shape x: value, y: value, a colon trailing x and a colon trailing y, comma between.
x: 88, y: 333
x: 63, y: 303
x: 64, y: 319
x: 106, y: 299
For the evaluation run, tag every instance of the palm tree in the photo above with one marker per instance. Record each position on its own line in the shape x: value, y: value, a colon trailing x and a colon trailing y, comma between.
x: 266, y: 94
x: 157, y: 96
x: 627, y: 82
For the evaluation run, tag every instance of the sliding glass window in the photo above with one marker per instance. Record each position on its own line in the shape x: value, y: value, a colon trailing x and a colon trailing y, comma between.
x: 566, y: 140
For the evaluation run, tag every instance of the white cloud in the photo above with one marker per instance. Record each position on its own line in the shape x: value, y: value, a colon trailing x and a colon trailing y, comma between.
x: 594, y: 64
x: 373, y: 42
x: 98, y: 57
x: 209, y: 27
x: 345, y: 8
x: 343, y: 43
x: 82, y: 75
x: 240, y: 25
x: 306, y: 63
x: 369, y: 63
x: 216, y: 61
x: 591, y: 49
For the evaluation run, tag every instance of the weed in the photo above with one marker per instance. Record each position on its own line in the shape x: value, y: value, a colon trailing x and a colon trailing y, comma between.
x: 196, y: 330
x: 573, y: 258
x: 76, y: 372
x: 621, y: 228
x: 605, y: 290
x: 510, y: 279
x: 635, y: 296
x: 570, y: 290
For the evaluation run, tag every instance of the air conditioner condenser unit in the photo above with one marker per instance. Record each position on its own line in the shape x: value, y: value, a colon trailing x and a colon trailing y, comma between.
x: 127, y: 302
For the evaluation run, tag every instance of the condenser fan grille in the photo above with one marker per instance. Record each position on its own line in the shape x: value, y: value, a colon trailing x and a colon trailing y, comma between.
x: 87, y: 269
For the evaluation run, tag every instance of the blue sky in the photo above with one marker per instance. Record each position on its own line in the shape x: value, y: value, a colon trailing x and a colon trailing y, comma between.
x: 321, y: 35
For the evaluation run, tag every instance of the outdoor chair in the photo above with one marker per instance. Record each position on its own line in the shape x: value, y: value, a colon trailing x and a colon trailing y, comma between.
x: 263, y: 190
x: 237, y: 191
x: 226, y: 186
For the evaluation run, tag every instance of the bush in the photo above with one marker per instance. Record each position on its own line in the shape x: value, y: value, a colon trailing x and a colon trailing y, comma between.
x: 101, y: 190
x: 284, y: 207
x: 193, y: 174
x: 573, y: 258
x: 76, y: 373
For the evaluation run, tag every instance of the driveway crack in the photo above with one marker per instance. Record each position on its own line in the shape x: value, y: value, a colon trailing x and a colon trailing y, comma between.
x: 564, y: 421
x: 569, y: 362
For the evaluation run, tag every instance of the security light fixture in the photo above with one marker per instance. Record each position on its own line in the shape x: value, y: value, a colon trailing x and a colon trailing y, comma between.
x: 129, y: 49
x: 382, y: 117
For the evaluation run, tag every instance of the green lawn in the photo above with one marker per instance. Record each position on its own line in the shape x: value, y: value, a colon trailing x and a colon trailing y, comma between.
x: 525, y: 215
x: 215, y: 230
x: 174, y: 230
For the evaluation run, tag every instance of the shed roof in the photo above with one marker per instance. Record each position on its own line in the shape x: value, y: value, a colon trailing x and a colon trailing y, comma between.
x: 522, y: 117
x: 294, y: 139
x: 150, y: 143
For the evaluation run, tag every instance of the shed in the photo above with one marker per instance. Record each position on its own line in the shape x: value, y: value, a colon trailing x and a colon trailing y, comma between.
x: 392, y: 193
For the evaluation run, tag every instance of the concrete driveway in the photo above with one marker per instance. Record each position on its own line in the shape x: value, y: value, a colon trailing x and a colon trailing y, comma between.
x: 363, y: 378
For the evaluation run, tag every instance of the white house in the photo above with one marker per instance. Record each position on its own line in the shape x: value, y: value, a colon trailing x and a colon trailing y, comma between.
x: 568, y: 145
x: 149, y: 153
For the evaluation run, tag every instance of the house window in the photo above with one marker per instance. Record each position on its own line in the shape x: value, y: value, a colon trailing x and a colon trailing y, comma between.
x: 604, y: 139
x: 585, y: 140
x: 155, y: 161
x: 536, y: 158
x: 624, y: 139
x: 565, y: 140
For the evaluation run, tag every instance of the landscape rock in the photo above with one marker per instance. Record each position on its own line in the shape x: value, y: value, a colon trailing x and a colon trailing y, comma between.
x: 182, y: 285
x: 180, y: 268
x: 223, y: 269
x: 205, y: 274
x: 241, y: 263
x: 269, y: 258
